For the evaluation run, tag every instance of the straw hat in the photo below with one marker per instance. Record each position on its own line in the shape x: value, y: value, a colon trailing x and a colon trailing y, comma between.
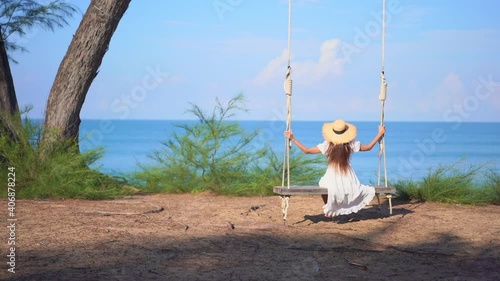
x: 339, y: 132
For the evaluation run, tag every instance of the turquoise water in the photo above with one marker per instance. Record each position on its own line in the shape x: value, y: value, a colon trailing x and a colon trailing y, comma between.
x: 412, y: 148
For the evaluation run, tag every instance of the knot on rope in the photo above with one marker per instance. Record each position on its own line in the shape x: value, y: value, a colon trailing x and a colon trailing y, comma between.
x: 288, y: 82
x: 383, y: 87
x: 285, y: 201
x: 381, y: 148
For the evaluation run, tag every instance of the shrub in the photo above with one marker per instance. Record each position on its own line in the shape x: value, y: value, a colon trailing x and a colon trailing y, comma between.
x: 451, y: 184
x: 217, y: 154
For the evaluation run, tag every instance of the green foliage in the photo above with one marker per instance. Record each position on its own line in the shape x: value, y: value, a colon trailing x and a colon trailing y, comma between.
x: 450, y: 184
x: 218, y: 155
x: 18, y: 16
x: 268, y: 172
x: 491, y: 187
x: 408, y: 190
x: 61, y: 173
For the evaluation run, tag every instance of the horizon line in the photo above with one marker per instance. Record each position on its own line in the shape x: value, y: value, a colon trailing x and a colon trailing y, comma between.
x: 264, y: 120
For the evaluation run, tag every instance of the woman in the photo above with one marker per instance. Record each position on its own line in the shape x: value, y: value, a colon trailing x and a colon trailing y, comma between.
x: 345, y: 193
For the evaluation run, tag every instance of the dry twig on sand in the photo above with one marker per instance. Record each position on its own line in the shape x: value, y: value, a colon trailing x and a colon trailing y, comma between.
x: 105, y: 213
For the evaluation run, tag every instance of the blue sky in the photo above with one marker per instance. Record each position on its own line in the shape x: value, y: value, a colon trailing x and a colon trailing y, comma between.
x: 442, y: 60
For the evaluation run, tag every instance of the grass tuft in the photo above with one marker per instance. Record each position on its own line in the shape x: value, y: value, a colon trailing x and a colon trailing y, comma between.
x: 451, y: 184
x: 62, y: 172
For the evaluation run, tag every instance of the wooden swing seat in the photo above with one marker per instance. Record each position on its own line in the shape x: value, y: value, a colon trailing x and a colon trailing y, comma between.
x: 285, y: 192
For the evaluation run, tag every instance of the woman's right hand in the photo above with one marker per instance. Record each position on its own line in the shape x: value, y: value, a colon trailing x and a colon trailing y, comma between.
x: 289, y: 135
x: 381, y: 130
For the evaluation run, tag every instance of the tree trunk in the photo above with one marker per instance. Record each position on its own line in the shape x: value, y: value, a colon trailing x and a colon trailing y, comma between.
x: 78, y: 69
x: 10, y: 120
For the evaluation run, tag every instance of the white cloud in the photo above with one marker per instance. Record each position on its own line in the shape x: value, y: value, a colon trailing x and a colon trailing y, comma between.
x: 176, y: 79
x: 412, y: 16
x: 329, y: 64
x: 273, y: 70
x: 495, y: 96
x: 450, y: 91
x: 307, y: 71
x: 487, y: 90
x: 440, y: 98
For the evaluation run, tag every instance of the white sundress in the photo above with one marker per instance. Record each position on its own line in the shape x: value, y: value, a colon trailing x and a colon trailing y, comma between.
x: 346, y: 194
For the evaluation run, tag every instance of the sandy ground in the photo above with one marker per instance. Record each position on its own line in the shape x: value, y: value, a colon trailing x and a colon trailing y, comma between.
x: 208, y: 237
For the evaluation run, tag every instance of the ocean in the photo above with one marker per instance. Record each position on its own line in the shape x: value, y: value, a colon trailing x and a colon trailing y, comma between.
x: 412, y: 148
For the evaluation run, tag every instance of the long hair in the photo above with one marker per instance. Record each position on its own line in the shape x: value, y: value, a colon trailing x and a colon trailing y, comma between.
x: 339, y: 156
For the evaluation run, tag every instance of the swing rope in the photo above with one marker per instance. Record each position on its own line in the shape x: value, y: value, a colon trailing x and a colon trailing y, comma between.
x: 382, y: 97
x: 288, y: 92
x: 285, y: 191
